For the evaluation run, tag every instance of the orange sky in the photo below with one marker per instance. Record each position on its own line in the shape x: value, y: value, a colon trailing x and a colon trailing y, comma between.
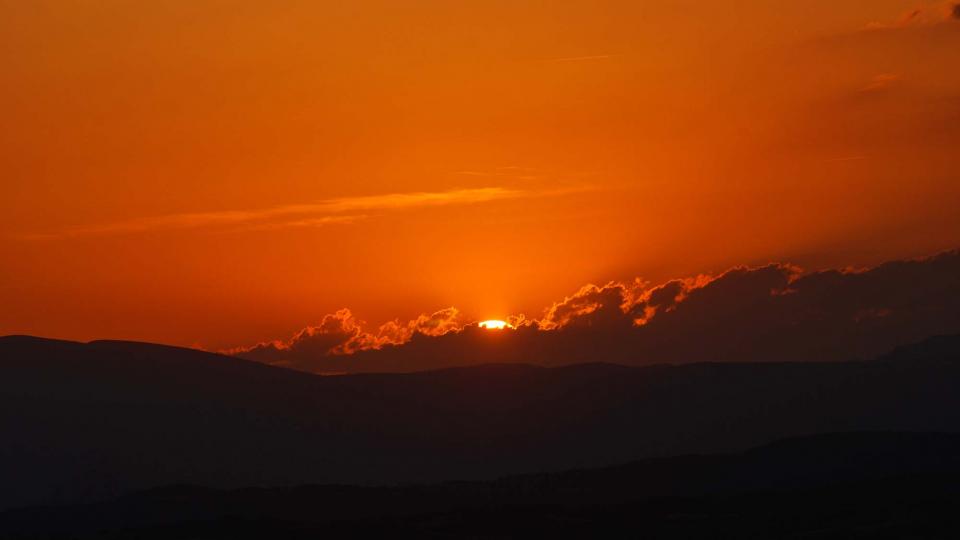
x: 220, y: 173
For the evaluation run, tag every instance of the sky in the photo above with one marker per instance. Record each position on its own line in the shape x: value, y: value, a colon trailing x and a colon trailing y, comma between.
x: 220, y: 174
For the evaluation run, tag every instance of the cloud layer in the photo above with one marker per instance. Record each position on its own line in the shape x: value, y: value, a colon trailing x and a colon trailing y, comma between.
x: 746, y: 314
x: 340, y: 210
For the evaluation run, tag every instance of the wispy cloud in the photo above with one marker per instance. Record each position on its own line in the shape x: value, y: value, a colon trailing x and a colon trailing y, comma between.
x: 342, y: 210
x: 307, y: 223
x: 923, y: 15
x: 880, y: 83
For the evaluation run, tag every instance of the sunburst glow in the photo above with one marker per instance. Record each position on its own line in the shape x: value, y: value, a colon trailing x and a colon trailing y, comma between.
x: 494, y: 324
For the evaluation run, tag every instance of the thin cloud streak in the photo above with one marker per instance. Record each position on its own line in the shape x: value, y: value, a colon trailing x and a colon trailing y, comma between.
x: 303, y: 223
x: 319, y: 213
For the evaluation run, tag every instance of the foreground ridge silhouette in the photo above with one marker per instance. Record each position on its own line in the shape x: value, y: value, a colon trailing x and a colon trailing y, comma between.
x: 86, y: 422
x: 845, y: 485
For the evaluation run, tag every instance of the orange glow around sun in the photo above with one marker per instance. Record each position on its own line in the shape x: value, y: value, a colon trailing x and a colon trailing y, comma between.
x: 494, y: 324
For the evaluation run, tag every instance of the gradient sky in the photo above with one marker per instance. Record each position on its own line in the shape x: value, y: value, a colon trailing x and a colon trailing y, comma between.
x: 218, y: 173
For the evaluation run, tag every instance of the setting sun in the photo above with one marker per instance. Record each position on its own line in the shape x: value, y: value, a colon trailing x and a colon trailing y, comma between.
x: 494, y: 324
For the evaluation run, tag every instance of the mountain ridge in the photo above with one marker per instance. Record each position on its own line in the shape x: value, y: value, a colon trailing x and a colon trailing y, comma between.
x: 85, y: 422
x: 867, y: 470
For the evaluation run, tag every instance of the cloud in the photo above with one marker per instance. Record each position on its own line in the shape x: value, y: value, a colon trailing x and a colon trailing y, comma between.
x: 882, y: 93
x: 303, y: 223
x: 323, y: 212
x: 588, y: 306
x: 880, y: 82
x: 341, y: 333
x: 920, y: 16
x: 747, y: 314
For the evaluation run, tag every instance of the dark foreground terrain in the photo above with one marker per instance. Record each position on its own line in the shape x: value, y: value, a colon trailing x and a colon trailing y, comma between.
x: 84, y: 423
x: 91, y: 434
x: 853, y: 485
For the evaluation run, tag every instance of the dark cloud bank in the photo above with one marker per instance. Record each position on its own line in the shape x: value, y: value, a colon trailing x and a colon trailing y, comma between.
x: 764, y: 314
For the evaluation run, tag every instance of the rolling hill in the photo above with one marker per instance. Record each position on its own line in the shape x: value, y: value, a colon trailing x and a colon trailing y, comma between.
x: 85, y: 422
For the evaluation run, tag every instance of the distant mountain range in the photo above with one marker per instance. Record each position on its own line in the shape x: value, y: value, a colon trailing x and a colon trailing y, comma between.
x: 87, y: 422
x: 847, y: 485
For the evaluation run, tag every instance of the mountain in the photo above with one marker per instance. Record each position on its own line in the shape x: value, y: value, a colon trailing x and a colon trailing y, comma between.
x: 85, y: 422
x: 844, y: 485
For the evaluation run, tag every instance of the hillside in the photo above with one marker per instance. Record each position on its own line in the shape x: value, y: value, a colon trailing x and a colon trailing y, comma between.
x: 82, y: 422
x: 845, y: 485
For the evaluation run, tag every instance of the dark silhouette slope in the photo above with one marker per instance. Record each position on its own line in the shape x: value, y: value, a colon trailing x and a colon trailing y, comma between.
x: 874, y: 484
x: 86, y: 421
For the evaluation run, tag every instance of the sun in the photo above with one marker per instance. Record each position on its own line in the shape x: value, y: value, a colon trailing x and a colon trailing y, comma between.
x: 494, y: 324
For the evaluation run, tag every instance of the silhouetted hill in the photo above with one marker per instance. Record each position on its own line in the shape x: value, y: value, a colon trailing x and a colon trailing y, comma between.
x: 81, y: 422
x: 837, y: 485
